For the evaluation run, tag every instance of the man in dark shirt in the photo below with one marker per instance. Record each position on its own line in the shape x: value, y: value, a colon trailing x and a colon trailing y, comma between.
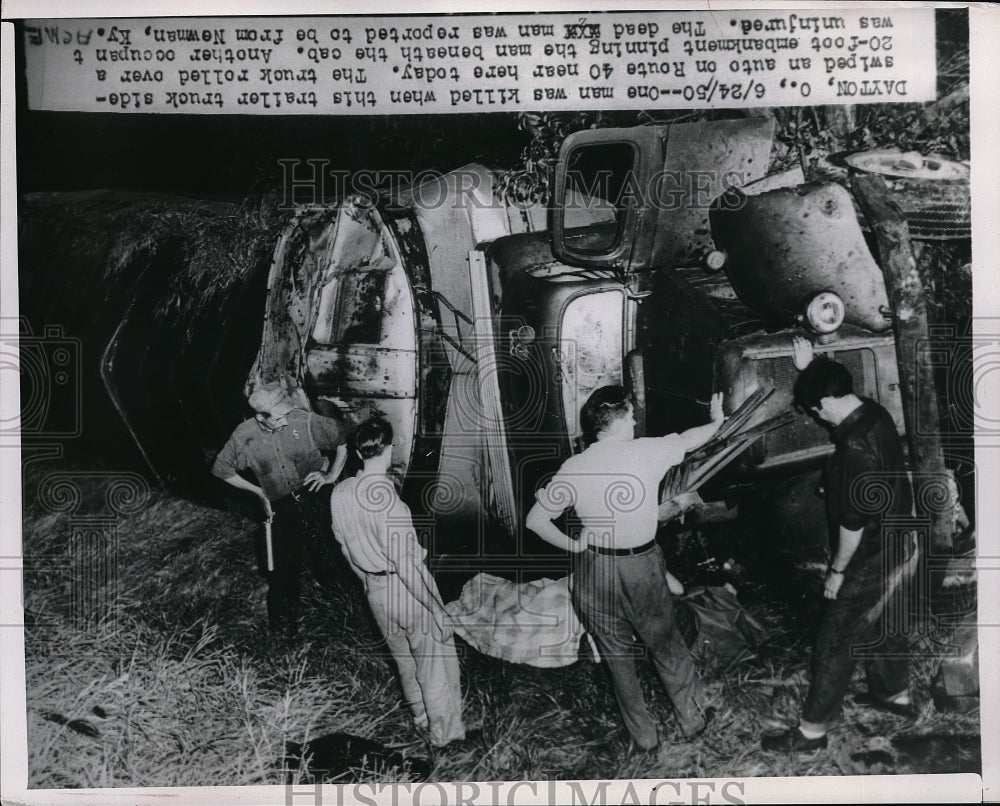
x: 867, y: 488
x: 283, y: 446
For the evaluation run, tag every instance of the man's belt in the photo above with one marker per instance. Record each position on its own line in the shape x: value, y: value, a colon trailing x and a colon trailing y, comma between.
x: 624, y: 552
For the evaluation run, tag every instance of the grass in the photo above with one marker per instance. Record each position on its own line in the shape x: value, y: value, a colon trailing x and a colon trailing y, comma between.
x: 110, y: 237
x: 180, y: 683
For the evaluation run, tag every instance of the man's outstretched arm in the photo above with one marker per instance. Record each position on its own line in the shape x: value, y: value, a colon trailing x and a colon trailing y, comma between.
x: 802, y: 352
x: 696, y: 437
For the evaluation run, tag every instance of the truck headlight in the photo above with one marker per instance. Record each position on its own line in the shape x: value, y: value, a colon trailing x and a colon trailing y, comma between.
x: 825, y: 312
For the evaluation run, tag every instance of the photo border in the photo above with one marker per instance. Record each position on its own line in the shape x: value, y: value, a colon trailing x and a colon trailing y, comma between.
x: 984, y: 31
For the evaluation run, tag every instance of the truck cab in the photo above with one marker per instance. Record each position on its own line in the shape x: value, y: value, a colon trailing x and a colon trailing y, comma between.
x: 667, y: 261
x: 697, y: 285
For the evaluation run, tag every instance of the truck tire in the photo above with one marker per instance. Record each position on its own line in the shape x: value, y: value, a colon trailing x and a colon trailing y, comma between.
x: 932, y: 193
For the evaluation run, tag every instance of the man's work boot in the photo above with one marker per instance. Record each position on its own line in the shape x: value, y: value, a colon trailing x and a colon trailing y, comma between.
x: 904, y: 708
x: 792, y: 741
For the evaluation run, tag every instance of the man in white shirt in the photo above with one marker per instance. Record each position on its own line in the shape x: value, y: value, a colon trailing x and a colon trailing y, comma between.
x: 375, y: 531
x: 619, y: 576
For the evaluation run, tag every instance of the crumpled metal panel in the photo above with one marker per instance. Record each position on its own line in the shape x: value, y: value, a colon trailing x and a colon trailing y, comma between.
x: 358, y: 242
x: 315, y: 245
x: 700, y: 162
x: 786, y: 245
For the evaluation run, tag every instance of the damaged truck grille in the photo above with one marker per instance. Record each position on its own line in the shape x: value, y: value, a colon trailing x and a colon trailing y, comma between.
x: 804, y: 436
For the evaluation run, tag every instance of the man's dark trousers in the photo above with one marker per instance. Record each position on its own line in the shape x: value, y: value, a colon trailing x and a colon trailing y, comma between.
x: 616, y: 597
x: 863, y: 622
x: 298, y: 527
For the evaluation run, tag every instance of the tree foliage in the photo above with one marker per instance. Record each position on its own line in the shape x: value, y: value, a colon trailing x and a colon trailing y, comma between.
x: 804, y: 136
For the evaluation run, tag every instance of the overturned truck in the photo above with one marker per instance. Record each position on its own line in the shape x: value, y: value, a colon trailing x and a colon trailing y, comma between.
x: 667, y: 262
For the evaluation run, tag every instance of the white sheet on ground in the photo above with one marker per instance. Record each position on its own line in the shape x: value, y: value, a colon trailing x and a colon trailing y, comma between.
x: 528, y: 622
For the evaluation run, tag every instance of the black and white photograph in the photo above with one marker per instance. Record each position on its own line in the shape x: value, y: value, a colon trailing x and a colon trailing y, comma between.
x: 496, y: 405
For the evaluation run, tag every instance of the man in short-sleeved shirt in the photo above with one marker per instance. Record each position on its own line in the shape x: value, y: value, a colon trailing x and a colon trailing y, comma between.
x: 607, y: 487
x: 375, y: 531
x: 619, y: 574
x: 866, y: 485
x: 283, y: 447
x: 868, y: 447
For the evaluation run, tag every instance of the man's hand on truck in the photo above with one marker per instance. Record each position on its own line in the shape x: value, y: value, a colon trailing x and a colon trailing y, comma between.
x: 802, y: 352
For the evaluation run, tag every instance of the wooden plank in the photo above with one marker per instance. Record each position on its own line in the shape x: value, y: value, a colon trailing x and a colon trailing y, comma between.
x: 743, y: 414
x: 694, y: 479
x: 719, y: 461
x: 733, y: 424
x: 698, y: 468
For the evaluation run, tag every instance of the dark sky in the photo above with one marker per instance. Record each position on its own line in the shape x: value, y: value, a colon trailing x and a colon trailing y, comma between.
x: 233, y: 154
